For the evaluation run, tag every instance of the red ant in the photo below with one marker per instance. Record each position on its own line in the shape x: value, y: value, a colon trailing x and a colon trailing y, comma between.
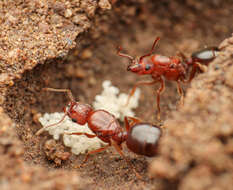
x: 171, y: 68
x: 157, y: 66
x: 141, y: 138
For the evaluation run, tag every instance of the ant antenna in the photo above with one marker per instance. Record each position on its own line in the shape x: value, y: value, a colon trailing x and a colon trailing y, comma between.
x: 119, y: 49
x: 71, y: 99
x: 152, y: 49
x: 69, y: 93
x: 44, y: 128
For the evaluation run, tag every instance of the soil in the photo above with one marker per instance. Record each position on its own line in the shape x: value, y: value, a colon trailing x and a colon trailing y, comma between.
x: 35, y: 39
x: 196, y: 151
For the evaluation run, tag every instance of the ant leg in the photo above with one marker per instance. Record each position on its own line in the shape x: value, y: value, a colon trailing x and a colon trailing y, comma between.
x: 188, y: 63
x: 42, y: 129
x: 68, y: 91
x: 159, y: 91
x: 119, y: 49
x: 182, y: 55
x: 203, y: 68
x: 152, y: 49
x: 193, y: 72
x: 86, y: 134
x: 135, y: 87
x: 127, y: 125
x: 93, y: 152
x: 119, y: 150
x: 180, y: 91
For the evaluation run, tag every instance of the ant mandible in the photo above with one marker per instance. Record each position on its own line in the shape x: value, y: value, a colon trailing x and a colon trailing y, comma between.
x: 158, y: 66
x: 141, y: 138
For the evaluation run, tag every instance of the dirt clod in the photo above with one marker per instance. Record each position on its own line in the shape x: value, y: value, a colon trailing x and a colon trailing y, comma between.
x: 55, y: 151
x: 16, y: 174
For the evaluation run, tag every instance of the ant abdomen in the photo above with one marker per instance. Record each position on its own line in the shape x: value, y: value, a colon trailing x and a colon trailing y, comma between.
x: 206, y: 55
x: 143, y: 139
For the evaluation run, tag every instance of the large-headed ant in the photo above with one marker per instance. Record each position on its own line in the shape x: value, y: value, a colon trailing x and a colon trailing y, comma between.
x: 141, y: 138
x: 170, y: 68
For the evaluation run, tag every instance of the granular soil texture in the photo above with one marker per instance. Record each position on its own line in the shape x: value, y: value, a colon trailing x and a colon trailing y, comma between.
x: 196, y: 151
x: 47, y: 164
x: 16, y: 174
x: 35, y: 31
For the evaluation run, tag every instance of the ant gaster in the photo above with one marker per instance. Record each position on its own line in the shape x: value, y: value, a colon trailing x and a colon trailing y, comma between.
x: 158, y: 66
x: 141, y: 138
x: 200, y: 59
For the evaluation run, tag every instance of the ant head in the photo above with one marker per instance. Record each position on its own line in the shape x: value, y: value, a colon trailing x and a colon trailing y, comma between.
x: 141, y: 66
x: 78, y: 112
x: 137, y: 65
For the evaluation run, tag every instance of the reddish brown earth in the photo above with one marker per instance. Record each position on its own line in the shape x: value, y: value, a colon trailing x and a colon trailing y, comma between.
x: 196, y: 149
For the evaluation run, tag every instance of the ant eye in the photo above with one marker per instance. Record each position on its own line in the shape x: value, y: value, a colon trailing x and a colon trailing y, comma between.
x: 147, y: 67
x: 172, y: 66
x: 74, y: 120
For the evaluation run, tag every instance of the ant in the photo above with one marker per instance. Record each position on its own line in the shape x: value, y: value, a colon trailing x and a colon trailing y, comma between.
x: 170, y: 68
x: 158, y: 66
x: 141, y: 138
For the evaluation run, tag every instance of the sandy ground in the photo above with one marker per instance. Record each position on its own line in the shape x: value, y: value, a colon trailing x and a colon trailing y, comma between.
x: 196, y: 149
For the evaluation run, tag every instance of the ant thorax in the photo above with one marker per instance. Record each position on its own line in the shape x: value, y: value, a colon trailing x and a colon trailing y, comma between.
x: 160, y: 59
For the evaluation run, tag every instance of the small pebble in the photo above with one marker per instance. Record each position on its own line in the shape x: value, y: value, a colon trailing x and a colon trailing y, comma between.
x: 104, y: 4
x: 86, y: 54
x: 68, y: 13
